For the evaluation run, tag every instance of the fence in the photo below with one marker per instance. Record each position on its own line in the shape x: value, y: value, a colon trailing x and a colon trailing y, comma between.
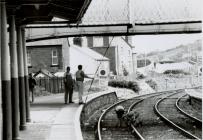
x: 52, y: 85
x: 56, y: 85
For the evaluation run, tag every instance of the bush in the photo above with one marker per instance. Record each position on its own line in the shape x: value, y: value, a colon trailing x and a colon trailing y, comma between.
x: 124, y: 84
x: 175, y: 72
x: 140, y: 75
x: 152, y: 84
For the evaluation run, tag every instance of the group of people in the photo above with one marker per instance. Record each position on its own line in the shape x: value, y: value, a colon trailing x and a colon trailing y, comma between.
x: 70, y: 82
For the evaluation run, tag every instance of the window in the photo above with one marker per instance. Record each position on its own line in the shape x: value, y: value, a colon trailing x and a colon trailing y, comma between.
x: 98, y: 42
x: 29, y: 58
x: 54, y: 57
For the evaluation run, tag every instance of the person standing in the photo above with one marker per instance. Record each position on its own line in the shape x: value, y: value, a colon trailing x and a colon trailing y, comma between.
x: 32, y: 84
x: 68, y: 84
x: 80, y: 75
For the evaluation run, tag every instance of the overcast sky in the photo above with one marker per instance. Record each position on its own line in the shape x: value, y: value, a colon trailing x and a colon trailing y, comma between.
x: 148, y: 43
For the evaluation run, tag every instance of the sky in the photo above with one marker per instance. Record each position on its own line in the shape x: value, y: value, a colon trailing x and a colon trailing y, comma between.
x: 148, y: 43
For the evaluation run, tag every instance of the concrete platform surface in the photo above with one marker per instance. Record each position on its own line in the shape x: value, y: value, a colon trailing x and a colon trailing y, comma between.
x: 51, y: 119
x: 195, y: 93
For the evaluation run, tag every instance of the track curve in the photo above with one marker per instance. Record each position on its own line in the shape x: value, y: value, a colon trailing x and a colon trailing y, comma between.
x: 166, y: 109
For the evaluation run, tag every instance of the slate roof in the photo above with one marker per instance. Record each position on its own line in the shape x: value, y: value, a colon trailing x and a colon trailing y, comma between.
x: 142, y: 11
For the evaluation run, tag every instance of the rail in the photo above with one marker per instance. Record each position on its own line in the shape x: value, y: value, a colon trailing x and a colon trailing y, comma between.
x: 170, y: 122
x: 182, y: 111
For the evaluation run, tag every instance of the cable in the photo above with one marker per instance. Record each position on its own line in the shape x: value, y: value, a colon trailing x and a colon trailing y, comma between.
x: 98, y: 67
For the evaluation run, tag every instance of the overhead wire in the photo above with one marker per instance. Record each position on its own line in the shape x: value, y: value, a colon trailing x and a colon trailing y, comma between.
x: 99, y: 66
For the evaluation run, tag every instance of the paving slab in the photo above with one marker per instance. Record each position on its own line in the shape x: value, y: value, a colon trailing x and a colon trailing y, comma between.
x: 63, y: 127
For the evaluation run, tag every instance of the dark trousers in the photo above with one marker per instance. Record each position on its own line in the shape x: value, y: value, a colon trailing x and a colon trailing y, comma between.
x: 68, y: 94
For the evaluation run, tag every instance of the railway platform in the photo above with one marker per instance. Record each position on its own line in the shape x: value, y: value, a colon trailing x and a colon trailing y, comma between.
x: 195, y: 96
x: 51, y: 119
x: 195, y: 93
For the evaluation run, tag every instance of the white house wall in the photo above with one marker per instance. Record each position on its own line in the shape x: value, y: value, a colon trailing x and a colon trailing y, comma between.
x: 79, y: 58
x: 124, y: 55
x: 134, y: 59
x: 65, y: 54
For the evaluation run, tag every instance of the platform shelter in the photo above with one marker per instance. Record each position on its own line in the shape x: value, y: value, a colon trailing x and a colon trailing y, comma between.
x: 103, y: 17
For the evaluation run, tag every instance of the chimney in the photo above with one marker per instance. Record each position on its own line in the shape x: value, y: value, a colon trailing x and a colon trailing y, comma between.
x: 77, y: 41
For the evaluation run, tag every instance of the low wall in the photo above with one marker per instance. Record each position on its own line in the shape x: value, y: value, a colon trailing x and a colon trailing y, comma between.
x: 93, y: 105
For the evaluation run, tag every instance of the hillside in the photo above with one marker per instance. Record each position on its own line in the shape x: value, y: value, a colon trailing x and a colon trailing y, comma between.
x: 179, y: 53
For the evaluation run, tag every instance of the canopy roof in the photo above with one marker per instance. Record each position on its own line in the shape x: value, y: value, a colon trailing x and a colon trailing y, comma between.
x: 142, y: 11
x: 30, y: 11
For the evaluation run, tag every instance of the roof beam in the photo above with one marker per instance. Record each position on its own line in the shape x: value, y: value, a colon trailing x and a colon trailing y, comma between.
x: 51, y: 32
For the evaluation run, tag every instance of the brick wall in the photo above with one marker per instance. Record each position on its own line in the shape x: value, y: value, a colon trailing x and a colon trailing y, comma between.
x: 41, y: 58
x: 90, y: 41
x: 111, y: 54
x: 106, y: 40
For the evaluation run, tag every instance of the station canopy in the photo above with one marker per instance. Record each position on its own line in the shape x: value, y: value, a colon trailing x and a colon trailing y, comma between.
x: 38, y: 11
x: 127, y: 17
x: 142, y: 11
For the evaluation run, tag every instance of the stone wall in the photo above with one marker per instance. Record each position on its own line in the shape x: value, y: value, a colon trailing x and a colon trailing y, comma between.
x: 95, y: 104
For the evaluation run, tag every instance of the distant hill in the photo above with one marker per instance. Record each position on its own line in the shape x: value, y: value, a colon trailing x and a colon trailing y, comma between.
x: 179, y: 53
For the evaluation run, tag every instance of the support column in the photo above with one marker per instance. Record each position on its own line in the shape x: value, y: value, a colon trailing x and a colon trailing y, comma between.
x: 1, y: 122
x: 6, y: 79
x: 21, y: 80
x: 27, y: 90
x: 14, y: 79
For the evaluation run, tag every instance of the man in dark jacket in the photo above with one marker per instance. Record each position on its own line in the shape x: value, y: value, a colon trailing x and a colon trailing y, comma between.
x: 68, y: 84
x: 32, y: 84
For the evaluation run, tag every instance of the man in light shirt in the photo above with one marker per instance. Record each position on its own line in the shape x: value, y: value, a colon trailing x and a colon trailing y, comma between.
x: 80, y: 75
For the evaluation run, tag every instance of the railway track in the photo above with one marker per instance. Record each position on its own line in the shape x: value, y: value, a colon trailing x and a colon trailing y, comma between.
x: 154, y: 111
x: 183, y: 105
x: 107, y: 124
x: 167, y: 108
x: 108, y: 128
x: 152, y: 126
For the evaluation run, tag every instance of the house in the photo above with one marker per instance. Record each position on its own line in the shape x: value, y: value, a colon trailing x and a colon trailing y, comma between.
x: 119, y: 51
x: 90, y: 60
x: 56, y: 54
x: 48, y: 54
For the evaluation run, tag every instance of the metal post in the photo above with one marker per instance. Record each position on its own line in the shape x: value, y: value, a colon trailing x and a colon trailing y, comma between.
x: 27, y: 90
x: 21, y: 80
x: 1, y: 122
x: 14, y: 79
x: 6, y: 78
